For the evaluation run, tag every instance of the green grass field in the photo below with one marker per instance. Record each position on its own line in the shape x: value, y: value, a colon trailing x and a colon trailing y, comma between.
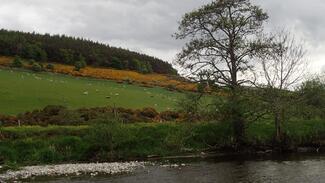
x: 22, y: 91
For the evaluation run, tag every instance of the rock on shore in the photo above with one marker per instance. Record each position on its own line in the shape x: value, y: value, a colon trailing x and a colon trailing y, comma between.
x: 71, y: 169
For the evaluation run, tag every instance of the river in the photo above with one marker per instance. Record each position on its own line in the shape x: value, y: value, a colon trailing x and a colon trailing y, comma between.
x: 288, y: 168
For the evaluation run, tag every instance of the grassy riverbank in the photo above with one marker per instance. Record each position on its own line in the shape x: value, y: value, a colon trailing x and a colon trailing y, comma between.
x: 29, y: 145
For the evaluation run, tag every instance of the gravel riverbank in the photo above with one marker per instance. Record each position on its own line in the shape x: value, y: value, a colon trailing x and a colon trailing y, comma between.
x: 71, y: 169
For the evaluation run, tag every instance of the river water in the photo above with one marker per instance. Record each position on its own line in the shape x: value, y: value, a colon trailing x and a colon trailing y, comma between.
x: 232, y: 169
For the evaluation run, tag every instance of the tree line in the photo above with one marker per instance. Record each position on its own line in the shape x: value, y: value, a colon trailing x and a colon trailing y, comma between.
x: 75, y: 51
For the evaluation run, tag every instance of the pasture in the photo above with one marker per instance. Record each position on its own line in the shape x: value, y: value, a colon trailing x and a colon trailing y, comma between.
x: 22, y: 91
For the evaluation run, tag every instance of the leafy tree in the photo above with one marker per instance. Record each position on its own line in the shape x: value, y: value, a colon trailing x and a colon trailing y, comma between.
x: 223, y: 39
x: 33, y: 51
x: 80, y: 64
x: 148, y: 67
x: 17, y: 62
x: 135, y: 65
x: 67, y: 56
x: 312, y: 94
x: 144, y: 67
x: 116, y: 63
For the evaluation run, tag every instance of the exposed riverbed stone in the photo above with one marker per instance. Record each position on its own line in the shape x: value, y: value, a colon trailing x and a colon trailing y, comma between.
x: 71, y: 169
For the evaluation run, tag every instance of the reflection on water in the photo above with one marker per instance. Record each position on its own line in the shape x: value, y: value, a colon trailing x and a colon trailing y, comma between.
x: 293, y: 169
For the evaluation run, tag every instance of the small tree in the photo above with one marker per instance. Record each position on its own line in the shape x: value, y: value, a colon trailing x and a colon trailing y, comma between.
x: 283, y: 67
x: 80, y: 64
x: 17, y: 62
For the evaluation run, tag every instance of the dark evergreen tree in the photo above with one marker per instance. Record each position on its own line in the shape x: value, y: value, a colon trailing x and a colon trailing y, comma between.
x: 64, y: 49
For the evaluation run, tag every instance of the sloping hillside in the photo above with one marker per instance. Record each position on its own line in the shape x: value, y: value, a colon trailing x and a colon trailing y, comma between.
x: 170, y: 82
x: 21, y: 91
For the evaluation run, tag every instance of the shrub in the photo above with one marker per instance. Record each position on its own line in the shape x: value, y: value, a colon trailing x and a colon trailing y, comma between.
x: 128, y: 81
x: 48, y: 155
x: 7, y: 154
x: 17, y: 62
x: 50, y: 67
x: 51, y: 110
x: 70, y: 147
x: 66, y: 117
x: 31, y: 62
x: 36, y: 67
x: 100, y: 141
x: 171, y: 87
x: 192, y: 105
x: 149, y: 112
x: 169, y: 115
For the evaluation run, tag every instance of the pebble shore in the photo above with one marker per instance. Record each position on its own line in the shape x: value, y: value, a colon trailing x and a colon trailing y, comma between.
x: 71, y: 169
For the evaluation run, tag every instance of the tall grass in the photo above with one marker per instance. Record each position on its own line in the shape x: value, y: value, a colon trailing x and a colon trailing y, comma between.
x: 111, y: 140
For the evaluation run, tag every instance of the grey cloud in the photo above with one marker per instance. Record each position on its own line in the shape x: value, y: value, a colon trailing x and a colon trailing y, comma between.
x: 147, y: 25
x: 140, y: 25
x: 305, y: 19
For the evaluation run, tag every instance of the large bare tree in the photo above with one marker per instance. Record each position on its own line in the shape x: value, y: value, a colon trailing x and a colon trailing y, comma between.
x: 222, y: 41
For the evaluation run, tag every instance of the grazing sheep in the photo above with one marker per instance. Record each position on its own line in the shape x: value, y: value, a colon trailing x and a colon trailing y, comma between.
x: 86, y: 93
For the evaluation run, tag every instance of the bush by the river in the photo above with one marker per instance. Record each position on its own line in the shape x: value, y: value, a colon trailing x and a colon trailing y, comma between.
x: 111, y: 140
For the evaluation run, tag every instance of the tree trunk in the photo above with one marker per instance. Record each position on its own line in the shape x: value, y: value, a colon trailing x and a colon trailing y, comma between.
x: 237, y: 120
x: 277, y: 123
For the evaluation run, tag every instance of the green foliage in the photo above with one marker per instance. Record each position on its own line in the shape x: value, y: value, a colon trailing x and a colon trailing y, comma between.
x: 80, y: 63
x: 50, y: 67
x: 17, y: 62
x: 100, y: 140
x: 36, y: 67
x: 105, y: 140
x: 116, y: 63
x: 134, y: 64
x: 145, y: 67
x: 67, y: 56
x: 111, y: 140
x: 70, y: 147
x: 312, y: 96
x: 31, y: 62
x: 47, y: 155
x: 64, y: 49
x: 192, y: 105
x: 33, y: 51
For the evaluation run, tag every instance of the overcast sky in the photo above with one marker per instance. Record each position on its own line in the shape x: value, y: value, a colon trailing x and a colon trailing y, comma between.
x: 147, y: 25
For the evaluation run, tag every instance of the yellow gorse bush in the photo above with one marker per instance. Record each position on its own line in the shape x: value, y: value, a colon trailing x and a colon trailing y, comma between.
x: 117, y: 75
